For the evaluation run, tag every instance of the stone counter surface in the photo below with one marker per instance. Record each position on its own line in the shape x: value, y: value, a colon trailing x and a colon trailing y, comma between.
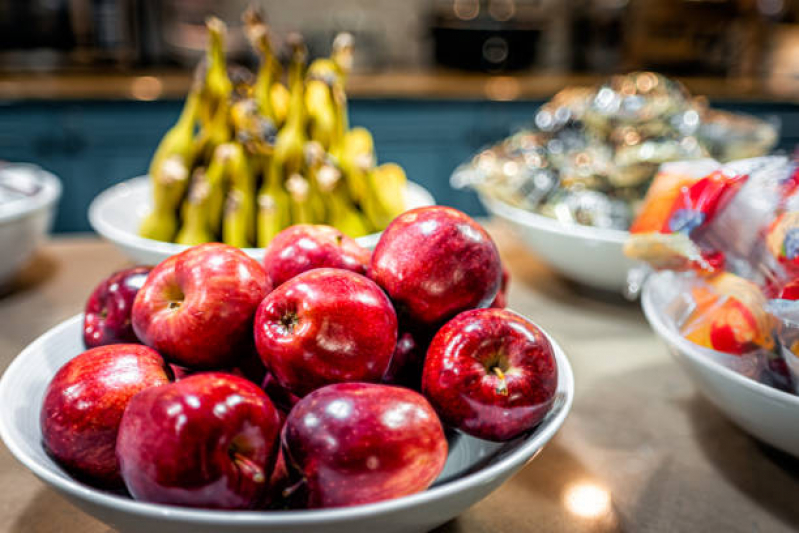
x: 641, y: 450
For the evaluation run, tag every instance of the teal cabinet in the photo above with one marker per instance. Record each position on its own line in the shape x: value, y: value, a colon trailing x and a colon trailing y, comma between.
x: 93, y: 145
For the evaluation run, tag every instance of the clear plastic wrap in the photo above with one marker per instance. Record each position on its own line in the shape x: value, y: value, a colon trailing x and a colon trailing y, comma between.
x: 592, y: 151
x: 743, y: 305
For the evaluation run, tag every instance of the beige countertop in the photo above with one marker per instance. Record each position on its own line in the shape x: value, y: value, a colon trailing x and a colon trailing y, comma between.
x: 639, y: 431
x: 435, y: 83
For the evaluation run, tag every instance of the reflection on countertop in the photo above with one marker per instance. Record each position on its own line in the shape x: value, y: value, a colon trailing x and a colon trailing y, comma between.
x: 399, y: 84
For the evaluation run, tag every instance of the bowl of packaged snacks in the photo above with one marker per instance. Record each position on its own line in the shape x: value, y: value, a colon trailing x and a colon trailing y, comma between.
x: 725, y: 297
x: 572, y: 184
x: 251, y: 154
x: 740, y: 387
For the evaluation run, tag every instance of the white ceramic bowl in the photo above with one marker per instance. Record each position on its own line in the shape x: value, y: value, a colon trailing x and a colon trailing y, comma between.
x: 765, y: 412
x: 588, y: 255
x: 474, y: 467
x: 24, y: 222
x: 117, y: 213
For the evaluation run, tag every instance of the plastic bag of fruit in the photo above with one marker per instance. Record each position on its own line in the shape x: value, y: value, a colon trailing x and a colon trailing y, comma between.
x: 733, y: 235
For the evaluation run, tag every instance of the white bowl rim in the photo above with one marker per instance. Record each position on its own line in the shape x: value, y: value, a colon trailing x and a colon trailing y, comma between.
x: 314, y: 516
x: 132, y: 240
x: 44, y: 198
x: 701, y: 355
x: 536, y: 220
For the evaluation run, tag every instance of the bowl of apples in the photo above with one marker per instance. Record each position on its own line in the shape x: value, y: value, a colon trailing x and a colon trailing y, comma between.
x: 326, y: 388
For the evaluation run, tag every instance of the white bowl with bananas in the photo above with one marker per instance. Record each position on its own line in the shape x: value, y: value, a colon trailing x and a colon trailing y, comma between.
x: 117, y: 214
x: 241, y: 163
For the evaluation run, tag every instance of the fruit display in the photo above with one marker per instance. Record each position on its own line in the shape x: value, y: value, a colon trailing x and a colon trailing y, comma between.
x: 250, y: 156
x: 325, y: 386
x: 592, y: 152
x: 729, y: 231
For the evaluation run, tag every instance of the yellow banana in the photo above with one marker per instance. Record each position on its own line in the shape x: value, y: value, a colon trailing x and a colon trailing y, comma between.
x: 280, y: 97
x: 238, y: 224
x: 169, y: 185
x: 299, y: 192
x: 314, y: 158
x: 385, y: 198
x: 342, y: 214
x: 287, y: 158
x: 214, y: 133
x: 273, y: 208
x: 169, y: 172
x: 258, y: 34
x: 195, y: 229
x: 217, y: 86
x: 357, y: 159
x: 321, y: 112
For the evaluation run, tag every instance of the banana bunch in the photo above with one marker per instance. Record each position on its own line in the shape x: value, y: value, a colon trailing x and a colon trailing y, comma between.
x: 246, y: 160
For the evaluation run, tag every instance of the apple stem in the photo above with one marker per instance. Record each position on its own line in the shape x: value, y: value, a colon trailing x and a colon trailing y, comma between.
x: 503, y: 386
x: 288, y: 491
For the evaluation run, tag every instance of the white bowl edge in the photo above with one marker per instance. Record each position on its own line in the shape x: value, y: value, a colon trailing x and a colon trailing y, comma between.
x: 511, y: 462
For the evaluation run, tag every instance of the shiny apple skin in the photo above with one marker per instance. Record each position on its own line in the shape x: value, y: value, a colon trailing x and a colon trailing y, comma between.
x: 304, y: 247
x: 106, y: 317
x: 326, y: 326
x: 435, y: 262
x: 408, y: 359
x: 209, y: 440
x: 196, y: 308
x: 469, y: 396
x: 355, y: 443
x: 282, y: 398
x: 501, y: 301
x: 83, y: 406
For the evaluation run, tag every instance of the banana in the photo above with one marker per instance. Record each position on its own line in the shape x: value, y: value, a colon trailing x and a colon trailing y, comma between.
x: 169, y: 172
x: 287, y: 158
x: 357, y: 159
x: 280, y: 97
x: 253, y: 130
x: 238, y: 223
x: 195, y: 229
x: 169, y: 185
x: 314, y: 158
x: 321, y: 112
x: 342, y: 214
x: 385, y: 198
x: 299, y: 192
x: 273, y: 208
x: 258, y: 34
x: 214, y: 133
x: 217, y: 86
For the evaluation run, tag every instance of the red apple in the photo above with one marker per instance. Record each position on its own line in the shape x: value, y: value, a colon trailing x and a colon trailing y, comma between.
x: 283, y: 399
x: 106, y: 319
x: 501, y: 301
x: 84, y: 402
x: 196, y: 308
x: 326, y: 326
x: 490, y: 373
x: 355, y: 443
x: 435, y: 262
x: 303, y: 247
x: 408, y: 359
x: 209, y: 441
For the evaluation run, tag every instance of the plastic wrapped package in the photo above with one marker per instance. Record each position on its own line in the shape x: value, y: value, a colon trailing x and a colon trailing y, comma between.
x: 744, y: 306
x: 592, y: 152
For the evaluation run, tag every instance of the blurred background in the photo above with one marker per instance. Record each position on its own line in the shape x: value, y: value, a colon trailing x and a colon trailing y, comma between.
x: 87, y: 87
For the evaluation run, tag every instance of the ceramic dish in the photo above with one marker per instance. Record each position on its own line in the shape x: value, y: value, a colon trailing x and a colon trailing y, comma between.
x: 765, y: 412
x: 474, y: 467
x: 26, y: 213
x: 588, y: 255
x: 117, y: 212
